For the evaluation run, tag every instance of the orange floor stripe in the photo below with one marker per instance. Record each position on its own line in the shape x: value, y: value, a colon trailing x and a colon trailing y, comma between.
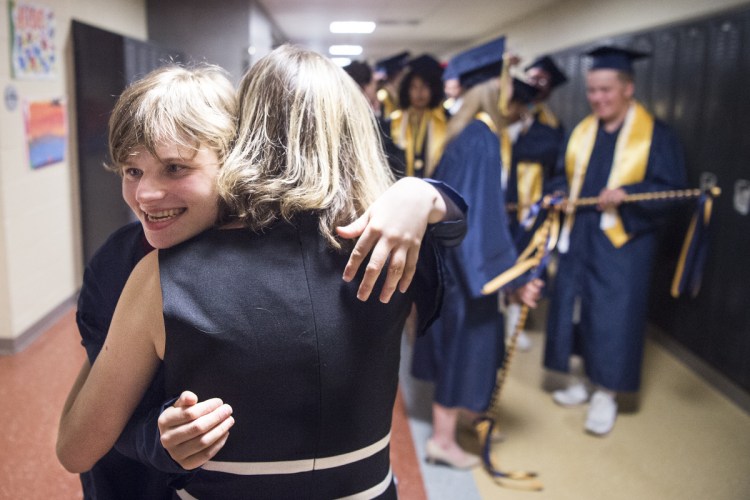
x: 404, y: 455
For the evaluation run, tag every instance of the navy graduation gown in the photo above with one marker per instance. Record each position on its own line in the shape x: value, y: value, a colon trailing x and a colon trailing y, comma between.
x: 539, y: 144
x: 612, y: 284
x: 465, y: 346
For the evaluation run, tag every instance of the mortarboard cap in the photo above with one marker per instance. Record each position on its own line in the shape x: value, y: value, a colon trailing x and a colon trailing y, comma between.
x: 450, y: 73
x: 608, y: 57
x: 393, y: 64
x: 426, y: 65
x: 523, y: 92
x: 557, y: 77
x: 477, y: 64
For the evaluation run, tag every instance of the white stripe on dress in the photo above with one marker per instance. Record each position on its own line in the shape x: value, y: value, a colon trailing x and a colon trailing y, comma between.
x: 373, y: 492
x: 296, y: 466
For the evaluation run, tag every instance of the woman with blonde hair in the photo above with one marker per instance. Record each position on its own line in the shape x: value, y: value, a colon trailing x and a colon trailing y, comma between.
x: 256, y: 313
x: 465, y: 347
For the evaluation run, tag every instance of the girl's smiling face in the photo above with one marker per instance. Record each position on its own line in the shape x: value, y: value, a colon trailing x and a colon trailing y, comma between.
x: 173, y: 195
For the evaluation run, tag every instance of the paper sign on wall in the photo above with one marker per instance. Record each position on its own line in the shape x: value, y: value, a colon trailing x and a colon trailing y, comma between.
x: 46, y: 132
x: 32, y: 30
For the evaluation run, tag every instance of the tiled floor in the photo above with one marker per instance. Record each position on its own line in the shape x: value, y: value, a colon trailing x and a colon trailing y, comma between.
x: 33, y: 387
x: 682, y: 440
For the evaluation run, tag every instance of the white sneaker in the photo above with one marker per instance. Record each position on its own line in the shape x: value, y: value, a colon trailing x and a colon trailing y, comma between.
x: 602, y: 414
x: 523, y: 342
x: 576, y: 394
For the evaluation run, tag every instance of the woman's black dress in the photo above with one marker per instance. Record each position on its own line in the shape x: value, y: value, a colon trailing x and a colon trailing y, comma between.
x: 265, y: 322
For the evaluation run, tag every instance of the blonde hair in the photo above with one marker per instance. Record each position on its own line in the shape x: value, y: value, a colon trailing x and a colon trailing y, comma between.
x: 307, y: 141
x: 187, y: 106
x: 482, y: 97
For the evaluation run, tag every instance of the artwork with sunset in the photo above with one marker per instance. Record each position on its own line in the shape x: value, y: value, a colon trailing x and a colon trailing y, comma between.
x: 46, y: 132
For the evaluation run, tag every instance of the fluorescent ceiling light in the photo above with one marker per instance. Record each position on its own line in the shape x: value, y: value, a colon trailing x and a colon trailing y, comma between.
x: 341, y: 61
x: 345, y: 50
x: 352, y: 27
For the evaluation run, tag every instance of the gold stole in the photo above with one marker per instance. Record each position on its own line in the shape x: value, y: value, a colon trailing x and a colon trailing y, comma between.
x: 487, y: 120
x: 506, y: 154
x: 528, y: 176
x: 687, y: 243
x: 506, y: 89
x: 529, y: 182
x: 628, y: 166
x: 545, y: 116
x: 432, y: 126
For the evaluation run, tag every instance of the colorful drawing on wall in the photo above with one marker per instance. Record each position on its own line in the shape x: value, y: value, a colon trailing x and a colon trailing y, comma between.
x: 32, y: 31
x: 46, y: 133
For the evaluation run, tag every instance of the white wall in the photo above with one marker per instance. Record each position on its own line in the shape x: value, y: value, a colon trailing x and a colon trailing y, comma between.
x: 39, y: 223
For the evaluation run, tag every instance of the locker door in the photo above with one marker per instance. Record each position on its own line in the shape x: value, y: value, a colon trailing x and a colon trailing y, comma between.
x: 99, y: 62
x: 104, y: 63
x: 716, y: 324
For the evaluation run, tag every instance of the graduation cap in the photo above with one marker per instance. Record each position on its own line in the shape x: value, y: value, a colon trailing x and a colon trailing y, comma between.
x: 545, y: 63
x: 426, y: 65
x: 609, y: 57
x: 523, y: 92
x: 393, y: 64
x: 477, y: 64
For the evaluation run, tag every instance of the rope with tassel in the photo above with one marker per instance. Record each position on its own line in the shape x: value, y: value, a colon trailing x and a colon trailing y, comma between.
x: 486, y: 424
x: 556, y: 205
x: 676, y: 194
x: 534, y: 259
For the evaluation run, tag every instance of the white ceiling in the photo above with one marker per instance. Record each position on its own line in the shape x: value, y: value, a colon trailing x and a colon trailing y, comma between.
x: 438, y: 27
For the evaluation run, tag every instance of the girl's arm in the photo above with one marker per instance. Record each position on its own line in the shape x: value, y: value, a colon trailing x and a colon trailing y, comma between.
x: 393, y: 228
x: 101, y: 402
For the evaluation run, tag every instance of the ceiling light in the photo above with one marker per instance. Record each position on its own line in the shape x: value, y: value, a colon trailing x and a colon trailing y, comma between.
x: 345, y: 50
x: 341, y: 61
x: 352, y: 27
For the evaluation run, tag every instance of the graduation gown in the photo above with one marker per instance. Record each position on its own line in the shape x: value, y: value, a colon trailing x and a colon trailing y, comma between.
x: 611, y: 283
x: 464, y: 348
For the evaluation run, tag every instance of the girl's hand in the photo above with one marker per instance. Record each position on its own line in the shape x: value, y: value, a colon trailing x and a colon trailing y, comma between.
x: 393, y: 228
x: 193, y: 432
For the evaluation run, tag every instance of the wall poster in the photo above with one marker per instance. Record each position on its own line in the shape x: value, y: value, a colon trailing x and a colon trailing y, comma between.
x: 46, y: 132
x: 32, y: 32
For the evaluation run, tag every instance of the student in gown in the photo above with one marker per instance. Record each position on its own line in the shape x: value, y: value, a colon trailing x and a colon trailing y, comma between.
x: 599, y: 297
x: 419, y: 127
x: 361, y: 73
x: 388, y: 73
x: 530, y: 146
x: 192, y: 432
x: 465, y: 347
x: 546, y: 76
x: 536, y: 138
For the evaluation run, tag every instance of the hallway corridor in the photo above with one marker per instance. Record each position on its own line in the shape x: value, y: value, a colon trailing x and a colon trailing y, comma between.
x: 681, y: 440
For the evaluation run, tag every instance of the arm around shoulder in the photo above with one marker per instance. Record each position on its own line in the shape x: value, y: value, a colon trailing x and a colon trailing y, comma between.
x: 102, y: 399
